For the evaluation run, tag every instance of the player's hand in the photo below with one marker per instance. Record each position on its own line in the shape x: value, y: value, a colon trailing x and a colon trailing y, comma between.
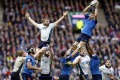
x: 97, y: 4
x: 69, y: 63
x: 65, y: 13
x: 40, y: 69
x: 27, y: 15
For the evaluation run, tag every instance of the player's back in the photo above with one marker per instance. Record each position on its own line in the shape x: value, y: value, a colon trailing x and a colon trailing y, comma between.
x: 18, y: 64
x: 26, y: 70
x: 94, y: 64
x: 65, y: 68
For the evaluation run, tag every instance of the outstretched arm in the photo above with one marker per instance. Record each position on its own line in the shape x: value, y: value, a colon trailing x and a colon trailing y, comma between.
x: 27, y: 15
x: 96, y: 10
x: 77, y: 60
x: 60, y: 19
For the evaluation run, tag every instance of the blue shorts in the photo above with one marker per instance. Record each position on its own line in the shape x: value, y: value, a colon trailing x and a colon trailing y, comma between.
x: 64, y: 77
x: 45, y: 77
x: 26, y: 77
x: 44, y: 44
x: 97, y: 77
x: 83, y: 37
x: 15, y: 76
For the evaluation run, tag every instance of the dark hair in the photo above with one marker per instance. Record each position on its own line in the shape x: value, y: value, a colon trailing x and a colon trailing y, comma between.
x: 19, y: 52
x: 63, y: 53
x: 30, y: 50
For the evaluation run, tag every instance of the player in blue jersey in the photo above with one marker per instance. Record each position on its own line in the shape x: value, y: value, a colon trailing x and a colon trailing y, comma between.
x: 65, y: 67
x: 29, y: 65
x: 94, y: 63
x: 89, y: 24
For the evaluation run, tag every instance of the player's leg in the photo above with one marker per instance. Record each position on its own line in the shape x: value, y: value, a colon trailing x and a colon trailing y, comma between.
x: 40, y: 52
x: 85, y: 49
x: 80, y: 45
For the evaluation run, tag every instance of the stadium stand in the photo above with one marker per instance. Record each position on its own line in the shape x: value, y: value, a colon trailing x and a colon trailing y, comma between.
x: 18, y: 33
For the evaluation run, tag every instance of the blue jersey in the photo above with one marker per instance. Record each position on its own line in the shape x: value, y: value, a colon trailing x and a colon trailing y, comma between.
x: 89, y: 25
x: 94, y: 64
x: 65, y: 68
x: 31, y: 59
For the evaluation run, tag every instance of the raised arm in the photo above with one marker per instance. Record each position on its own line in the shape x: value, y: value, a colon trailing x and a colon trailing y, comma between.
x: 96, y: 10
x: 51, y: 52
x: 61, y: 18
x: 27, y: 15
x: 89, y: 49
x: 85, y: 11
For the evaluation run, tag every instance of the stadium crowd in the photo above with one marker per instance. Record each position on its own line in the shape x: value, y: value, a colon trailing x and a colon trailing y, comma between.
x: 17, y: 33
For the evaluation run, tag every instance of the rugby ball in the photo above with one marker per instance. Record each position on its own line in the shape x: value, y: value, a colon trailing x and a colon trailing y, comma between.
x: 93, y: 3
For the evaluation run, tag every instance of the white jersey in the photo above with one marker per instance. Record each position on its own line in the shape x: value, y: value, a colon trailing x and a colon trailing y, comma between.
x: 18, y: 64
x: 46, y: 31
x: 45, y: 65
x: 84, y: 64
x: 105, y: 71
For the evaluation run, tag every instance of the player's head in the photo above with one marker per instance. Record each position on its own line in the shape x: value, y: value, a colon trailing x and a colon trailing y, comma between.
x: 46, y: 21
x: 82, y: 53
x: 20, y: 53
x: 47, y: 54
x: 92, y: 15
x: 108, y: 63
x: 30, y: 51
x: 63, y: 53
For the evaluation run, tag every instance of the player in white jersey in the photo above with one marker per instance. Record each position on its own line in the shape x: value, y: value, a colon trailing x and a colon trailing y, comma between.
x: 46, y: 29
x: 107, y: 71
x: 15, y: 75
x: 83, y: 60
x: 45, y: 65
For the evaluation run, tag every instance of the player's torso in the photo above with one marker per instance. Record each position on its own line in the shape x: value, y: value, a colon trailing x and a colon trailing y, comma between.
x: 18, y: 64
x: 46, y: 32
x: 84, y: 64
x: 25, y: 68
x: 105, y: 75
x: 45, y: 65
x: 65, y: 69
x: 94, y: 65
x: 88, y: 26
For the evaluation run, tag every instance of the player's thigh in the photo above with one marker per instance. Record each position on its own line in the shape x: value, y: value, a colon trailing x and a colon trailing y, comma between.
x: 42, y: 50
x: 81, y: 44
